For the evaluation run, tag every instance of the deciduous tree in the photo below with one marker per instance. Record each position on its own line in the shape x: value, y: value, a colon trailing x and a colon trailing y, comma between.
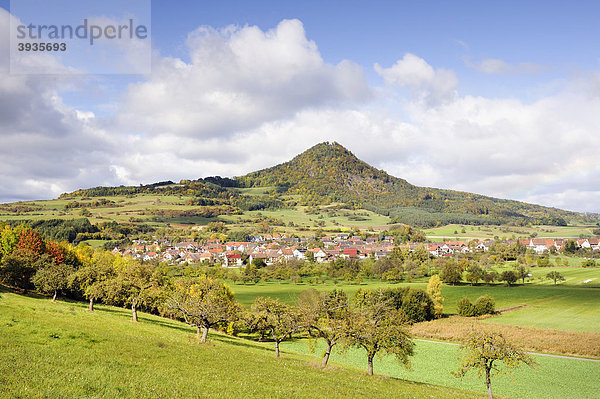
x: 203, y: 303
x: 134, y: 284
x: 326, y: 315
x: 434, y: 289
x: 52, y: 277
x: 276, y: 319
x: 483, y: 351
x: 377, y: 326
x: 556, y: 276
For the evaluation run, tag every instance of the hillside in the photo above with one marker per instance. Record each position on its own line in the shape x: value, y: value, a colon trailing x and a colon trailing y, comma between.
x: 59, y: 350
x: 324, y: 187
x: 328, y: 172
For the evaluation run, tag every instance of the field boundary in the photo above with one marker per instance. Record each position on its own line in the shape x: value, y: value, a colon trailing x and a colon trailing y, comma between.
x: 531, y: 353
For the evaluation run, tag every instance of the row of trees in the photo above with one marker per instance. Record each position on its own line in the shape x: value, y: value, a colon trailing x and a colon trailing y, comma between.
x: 376, y: 321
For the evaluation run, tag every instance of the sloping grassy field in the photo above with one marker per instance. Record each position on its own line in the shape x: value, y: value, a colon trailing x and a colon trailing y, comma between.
x: 59, y: 350
x: 552, y: 378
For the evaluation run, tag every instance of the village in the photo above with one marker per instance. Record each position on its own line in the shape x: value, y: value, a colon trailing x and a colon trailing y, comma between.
x: 272, y: 248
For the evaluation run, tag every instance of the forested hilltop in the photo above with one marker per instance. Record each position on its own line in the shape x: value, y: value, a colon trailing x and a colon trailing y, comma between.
x: 328, y: 172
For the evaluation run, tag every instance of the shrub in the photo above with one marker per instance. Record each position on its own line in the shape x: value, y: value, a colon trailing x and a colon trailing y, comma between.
x: 485, y: 305
x: 465, y: 307
x: 588, y: 263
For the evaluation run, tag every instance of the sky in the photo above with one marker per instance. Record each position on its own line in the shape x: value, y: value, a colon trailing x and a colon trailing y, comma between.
x: 495, y: 98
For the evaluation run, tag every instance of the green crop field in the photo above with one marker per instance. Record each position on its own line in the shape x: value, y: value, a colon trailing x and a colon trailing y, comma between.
x: 567, y: 306
x: 453, y: 231
x: 59, y: 350
x: 552, y: 378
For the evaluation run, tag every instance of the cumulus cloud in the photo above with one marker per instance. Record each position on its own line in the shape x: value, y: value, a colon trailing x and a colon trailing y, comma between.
x: 237, y: 79
x: 427, y: 84
x: 46, y: 145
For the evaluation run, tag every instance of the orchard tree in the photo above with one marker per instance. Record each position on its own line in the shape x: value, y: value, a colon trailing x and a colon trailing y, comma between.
x: 277, y: 319
x: 522, y: 272
x: 474, y: 273
x: 92, y: 278
x: 556, y: 276
x: 509, y: 276
x: 326, y: 315
x: 377, y: 326
x: 451, y: 273
x: 203, y: 303
x: 434, y: 289
x: 483, y: 351
x: 52, y: 277
x: 134, y: 284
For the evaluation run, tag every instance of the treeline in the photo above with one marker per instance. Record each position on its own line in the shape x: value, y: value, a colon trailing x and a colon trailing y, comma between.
x: 76, y: 230
x: 58, y: 229
x: 99, y: 203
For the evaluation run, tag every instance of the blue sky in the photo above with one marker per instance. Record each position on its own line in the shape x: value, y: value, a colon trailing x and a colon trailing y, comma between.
x: 498, y: 98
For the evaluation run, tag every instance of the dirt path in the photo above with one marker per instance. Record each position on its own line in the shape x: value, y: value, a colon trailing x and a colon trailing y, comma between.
x: 531, y: 353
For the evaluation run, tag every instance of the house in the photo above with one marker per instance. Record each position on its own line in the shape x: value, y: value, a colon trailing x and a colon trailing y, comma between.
x: 350, y: 253
x: 232, y: 260
x: 299, y: 253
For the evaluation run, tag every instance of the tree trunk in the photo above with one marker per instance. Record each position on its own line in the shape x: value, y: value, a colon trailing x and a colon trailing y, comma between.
x: 276, y: 348
x: 327, y: 353
x: 204, y: 334
x: 91, y: 308
x: 370, y: 364
x: 54, y: 297
x: 488, y: 381
x: 134, y: 312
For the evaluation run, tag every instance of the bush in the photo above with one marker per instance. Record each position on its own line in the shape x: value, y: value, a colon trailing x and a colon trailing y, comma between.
x: 588, y: 263
x: 465, y: 307
x: 485, y: 305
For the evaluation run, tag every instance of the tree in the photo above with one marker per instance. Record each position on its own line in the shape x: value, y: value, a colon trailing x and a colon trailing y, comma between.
x: 451, y: 273
x: 326, y: 316
x: 203, y: 303
x: 556, y: 276
x: 434, y: 289
x: 482, y: 351
x: 52, y: 278
x: 134, y: 284
x: 275, y: 318
x: 91, y: 279
x: 376, y: 325
x: 474, y: 273
x: 509, y: 276
x: 570, y: 247
x: 522, y: 271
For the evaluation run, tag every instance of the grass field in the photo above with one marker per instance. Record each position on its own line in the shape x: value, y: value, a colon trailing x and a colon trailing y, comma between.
x: 552, y: 378
x: 567, y: 306
x: 454, y: 231
x: 59, y: 350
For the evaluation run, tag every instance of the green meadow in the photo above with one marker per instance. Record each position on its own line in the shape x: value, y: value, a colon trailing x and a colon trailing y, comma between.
x: 466, y: 232
x: 571, y: 305
x: 60, y: 350
x: 558, y: 378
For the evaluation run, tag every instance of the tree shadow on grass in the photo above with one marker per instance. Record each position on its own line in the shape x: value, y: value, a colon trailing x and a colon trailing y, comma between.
x: 246, y: 343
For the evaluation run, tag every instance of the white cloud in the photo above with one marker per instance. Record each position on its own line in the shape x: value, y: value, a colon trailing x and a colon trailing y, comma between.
x: 497, y: 66
x: 238, y: 78
x: 426, y: 83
